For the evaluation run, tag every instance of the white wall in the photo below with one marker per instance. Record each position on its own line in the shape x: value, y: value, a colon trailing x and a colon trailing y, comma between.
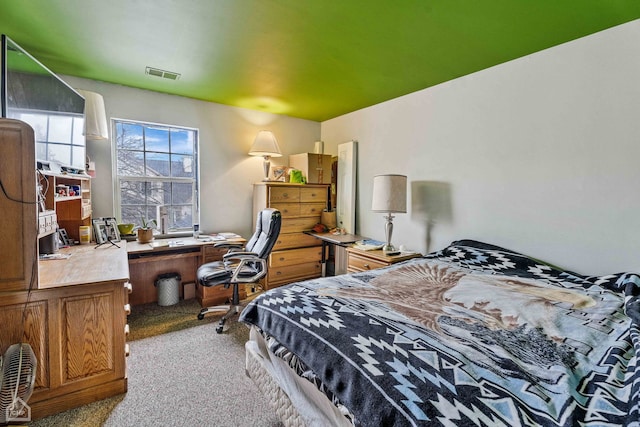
x: 227, y: 173
x: 539, y: 155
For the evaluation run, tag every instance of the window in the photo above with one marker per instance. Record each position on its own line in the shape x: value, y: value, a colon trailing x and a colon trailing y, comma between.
x: 59, y: 136
x: 157, y: 165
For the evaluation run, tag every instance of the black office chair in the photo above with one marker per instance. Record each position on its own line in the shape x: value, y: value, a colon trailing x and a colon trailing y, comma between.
x: 241, y: 265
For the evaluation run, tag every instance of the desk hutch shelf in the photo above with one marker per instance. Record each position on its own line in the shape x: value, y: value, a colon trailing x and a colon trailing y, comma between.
x: 72, y: 211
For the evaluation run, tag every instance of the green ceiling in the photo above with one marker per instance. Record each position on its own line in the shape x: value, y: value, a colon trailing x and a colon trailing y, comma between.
x: 314, y: 59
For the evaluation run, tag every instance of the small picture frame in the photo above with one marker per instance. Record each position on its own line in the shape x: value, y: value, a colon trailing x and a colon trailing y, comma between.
x: 280, y: 173
x: 64, y: 238
x: 105, y: 230
x: 100, y: 230
x: 111, y: 226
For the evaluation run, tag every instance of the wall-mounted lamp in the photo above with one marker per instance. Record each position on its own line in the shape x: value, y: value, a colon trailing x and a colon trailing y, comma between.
x: 265, y: 145
x: 95, y: 118
x: 389, y: 196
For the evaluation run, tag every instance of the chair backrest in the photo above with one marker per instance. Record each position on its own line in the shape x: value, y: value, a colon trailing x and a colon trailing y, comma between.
x: 266, y: 234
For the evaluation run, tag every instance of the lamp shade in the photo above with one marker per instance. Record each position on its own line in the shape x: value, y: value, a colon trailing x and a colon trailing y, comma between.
x: 389, y: 193
x: 95, y: 118
x: 265, y: 144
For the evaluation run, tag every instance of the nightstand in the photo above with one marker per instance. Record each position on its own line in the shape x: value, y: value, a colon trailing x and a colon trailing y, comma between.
x: 359, y: 260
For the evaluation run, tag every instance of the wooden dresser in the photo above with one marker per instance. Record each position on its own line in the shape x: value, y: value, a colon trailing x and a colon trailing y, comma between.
x: 296, y: 256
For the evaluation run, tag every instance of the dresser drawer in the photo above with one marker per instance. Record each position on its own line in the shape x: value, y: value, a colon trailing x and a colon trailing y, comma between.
x: 287, y: 274
x: 359, y: 263
x: 313, y: 195
x: 295, y: 240
x: 298, y: 225
x: 283, y: 195
x: 312, y: 209
x: 295, y: 256
x: 288, y: 210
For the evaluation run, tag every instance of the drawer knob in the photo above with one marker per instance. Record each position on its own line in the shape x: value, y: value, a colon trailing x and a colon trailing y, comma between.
x: 366, y: 266
x: 281, y: 258
x: 126, y: 350
x: 126, y: 330
x: 128, y: 287
x: 127, y: 309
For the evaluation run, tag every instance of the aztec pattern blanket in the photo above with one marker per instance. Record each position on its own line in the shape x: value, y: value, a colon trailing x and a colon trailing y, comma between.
x: 472, y: 335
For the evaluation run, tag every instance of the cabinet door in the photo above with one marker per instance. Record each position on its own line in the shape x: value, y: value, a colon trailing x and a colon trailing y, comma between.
x: 92, y: 335
x: 32, y: 331
x: 18, y: 221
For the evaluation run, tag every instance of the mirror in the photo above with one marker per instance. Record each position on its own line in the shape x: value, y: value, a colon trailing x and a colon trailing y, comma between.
x: 35, y: 95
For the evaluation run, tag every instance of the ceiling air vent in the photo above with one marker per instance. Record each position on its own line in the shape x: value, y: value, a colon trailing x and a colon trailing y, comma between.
x: 162, y: 73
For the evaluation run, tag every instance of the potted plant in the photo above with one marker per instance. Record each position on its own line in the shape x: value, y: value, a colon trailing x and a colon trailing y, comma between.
x: 145, y: 231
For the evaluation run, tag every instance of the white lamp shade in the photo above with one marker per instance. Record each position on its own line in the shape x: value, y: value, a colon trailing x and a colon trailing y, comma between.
x: 265, y: 144
x: 389, y: 193
x: 95, y: 118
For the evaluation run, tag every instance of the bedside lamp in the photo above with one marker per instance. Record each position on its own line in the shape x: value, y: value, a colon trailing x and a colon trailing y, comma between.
x: 389, y: 196
x: 265, y: 145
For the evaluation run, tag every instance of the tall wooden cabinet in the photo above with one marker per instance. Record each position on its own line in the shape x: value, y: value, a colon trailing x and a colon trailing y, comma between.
x: 295, y: 256
x: 18, y: 209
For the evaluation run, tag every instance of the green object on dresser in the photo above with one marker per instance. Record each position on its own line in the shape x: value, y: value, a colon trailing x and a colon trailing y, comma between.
x: 296, y: 177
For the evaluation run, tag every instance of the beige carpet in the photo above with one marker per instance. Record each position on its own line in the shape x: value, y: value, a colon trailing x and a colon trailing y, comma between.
x: 181, y: 373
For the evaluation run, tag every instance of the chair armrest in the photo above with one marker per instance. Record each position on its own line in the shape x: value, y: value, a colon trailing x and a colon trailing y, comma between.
x: 240, y: 255
x: 228, y: 245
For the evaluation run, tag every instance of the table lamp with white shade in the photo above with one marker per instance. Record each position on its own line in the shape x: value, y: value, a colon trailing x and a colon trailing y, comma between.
x: 265, y: 145
x: 389, y: 196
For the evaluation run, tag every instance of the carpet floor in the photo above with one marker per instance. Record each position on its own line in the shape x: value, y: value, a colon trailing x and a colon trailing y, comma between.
x: 180, y: 373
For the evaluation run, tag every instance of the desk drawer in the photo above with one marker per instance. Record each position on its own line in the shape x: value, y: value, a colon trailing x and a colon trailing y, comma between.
x: 210, y: 254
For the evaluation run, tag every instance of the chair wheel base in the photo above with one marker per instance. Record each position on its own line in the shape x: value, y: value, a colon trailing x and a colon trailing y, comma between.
x: 200, y: 316
x: 219, y: 329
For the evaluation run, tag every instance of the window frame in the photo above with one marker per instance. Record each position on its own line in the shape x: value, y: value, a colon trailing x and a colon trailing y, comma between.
x: 117, y: 196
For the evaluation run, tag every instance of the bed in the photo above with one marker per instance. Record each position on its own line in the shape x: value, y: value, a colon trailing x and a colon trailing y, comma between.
x: 471, y: 335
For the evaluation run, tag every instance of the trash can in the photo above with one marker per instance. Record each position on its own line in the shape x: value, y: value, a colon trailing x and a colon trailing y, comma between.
x: 168, y: 285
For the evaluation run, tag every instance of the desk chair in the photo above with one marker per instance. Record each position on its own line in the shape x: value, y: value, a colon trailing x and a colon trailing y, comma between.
x: 241, y: 265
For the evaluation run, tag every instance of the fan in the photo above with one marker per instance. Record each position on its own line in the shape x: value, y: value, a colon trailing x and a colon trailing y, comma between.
x: 17, y: 377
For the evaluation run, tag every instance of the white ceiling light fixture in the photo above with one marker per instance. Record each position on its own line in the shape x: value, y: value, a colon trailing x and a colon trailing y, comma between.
x: 95, y: 117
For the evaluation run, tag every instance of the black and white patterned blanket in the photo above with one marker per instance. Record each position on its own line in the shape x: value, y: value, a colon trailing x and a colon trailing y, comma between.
x: 473, y: 335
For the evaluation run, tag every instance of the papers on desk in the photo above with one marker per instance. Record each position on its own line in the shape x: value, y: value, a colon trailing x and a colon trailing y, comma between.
x: 159, y: 243
x: 368, y: 245
x: 229, y: 235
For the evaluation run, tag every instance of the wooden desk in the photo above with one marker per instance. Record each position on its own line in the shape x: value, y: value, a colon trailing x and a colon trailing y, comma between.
x: 182, y: 255
x: 75, y: 322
